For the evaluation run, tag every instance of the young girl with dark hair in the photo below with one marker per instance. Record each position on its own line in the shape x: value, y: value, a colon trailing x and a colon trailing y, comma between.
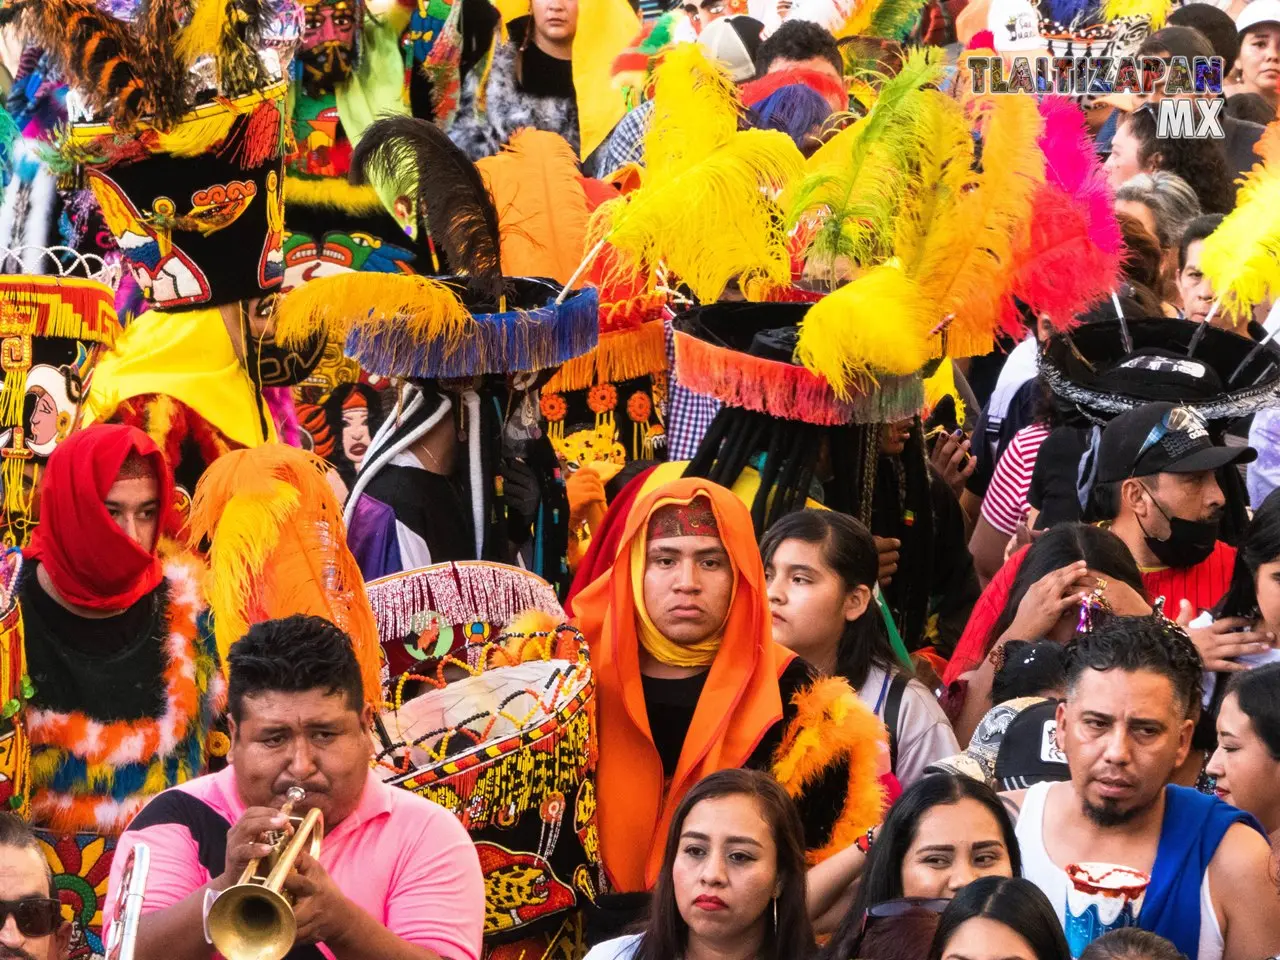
x: 1246, y: 764
x: 821, y: 570
x: 943, y: 833
x: 732, y: 883
x: 999, y: 917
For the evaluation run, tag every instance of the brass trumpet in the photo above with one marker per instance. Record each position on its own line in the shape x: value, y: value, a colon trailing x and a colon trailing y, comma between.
x: 254, y: 919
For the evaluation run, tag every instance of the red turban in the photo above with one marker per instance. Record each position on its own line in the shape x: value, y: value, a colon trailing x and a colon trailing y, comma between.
x: 91, y: 561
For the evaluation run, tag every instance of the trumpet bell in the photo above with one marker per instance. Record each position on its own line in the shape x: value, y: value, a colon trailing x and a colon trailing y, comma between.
x: 250, y: 922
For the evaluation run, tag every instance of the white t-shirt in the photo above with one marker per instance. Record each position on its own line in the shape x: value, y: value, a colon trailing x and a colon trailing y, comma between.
x: 924, y: 733
x: 1052, y: 879
x: 619, y: 948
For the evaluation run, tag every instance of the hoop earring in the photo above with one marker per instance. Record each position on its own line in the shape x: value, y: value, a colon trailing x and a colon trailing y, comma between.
x: 775, y: 914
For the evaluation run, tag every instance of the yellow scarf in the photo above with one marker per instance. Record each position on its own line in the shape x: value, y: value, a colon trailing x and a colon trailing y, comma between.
x: 606, y: 27
x: 187, y: 356
x: 700, y: 654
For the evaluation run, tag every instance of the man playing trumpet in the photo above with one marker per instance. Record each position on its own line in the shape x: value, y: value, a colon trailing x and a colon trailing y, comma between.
x: 397, y: 877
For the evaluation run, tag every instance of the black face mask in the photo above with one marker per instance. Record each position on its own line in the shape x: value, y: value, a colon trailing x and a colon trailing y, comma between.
x: 1190, y: 541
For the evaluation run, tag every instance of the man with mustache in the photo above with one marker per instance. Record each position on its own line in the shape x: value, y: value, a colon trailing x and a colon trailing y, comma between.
x: 1157, y: 483
x: 31, y: 924
x: 397, y: 878
x: 1133, y: 693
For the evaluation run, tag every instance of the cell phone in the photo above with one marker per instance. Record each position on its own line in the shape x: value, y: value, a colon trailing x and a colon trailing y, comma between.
x: 943, y: 417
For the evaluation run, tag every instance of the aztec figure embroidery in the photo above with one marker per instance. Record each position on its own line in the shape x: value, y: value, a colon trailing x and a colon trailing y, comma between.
x: 271, y: 265
x: 164, y: 273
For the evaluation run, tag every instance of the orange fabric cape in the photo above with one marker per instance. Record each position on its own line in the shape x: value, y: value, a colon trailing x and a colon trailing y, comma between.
x: 738, y: 706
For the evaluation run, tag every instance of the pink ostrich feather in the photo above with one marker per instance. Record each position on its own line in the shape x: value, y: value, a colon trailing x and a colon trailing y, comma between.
x: 1071, y: 163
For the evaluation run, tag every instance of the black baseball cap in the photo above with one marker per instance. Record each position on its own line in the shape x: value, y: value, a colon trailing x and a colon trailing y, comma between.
x: 1013, y: 747
x: 1162, y: 438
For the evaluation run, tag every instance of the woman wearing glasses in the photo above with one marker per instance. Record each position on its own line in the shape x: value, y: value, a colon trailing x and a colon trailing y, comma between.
x: 732, y: 885
x: 997, y: 918
x: 942, y: 834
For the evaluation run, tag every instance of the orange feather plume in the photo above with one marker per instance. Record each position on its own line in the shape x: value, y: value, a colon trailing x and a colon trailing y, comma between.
x: 279, y: 547
x: 542, y: 207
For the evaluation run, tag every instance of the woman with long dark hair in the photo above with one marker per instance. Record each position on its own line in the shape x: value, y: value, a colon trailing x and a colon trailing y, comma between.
x: 732, y: 885
x: 1000, y: 917
x: 942, y: 834
x: 1068, y: 565
x: 821, y: 568
x: 1246, y: 764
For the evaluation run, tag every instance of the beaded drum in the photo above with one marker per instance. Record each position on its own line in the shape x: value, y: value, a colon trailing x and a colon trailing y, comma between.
x: 504, y: 736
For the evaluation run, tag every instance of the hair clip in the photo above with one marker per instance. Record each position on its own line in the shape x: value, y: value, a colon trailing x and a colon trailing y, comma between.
x: 1093, y: 604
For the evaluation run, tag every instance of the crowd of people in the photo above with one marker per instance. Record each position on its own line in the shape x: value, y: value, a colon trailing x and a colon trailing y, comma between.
x: 561, y: 480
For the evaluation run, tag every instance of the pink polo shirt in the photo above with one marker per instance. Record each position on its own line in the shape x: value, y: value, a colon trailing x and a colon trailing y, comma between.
x: 405, y: 860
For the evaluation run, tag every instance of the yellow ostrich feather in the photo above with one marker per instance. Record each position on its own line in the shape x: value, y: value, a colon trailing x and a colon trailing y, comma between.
x: 695, y: 111
x: 203, y: 33
x: 946, y: 171
x: 832, y: 727
x: 879, y: 323
x: 425, y: 308
x: 1156, y: 11
x: 1242, y: 257
x: 712, y: 222
x: 854, y: 183
x: 963, y: 262
x: 943, y: 384
x: 278, y: 548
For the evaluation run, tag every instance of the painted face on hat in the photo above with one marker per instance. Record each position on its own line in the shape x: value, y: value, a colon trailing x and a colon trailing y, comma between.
x: 328, y: 44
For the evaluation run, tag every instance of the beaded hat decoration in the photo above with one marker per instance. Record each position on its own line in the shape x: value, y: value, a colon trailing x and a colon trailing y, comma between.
x: 52, y: 329
x: 694, y: 519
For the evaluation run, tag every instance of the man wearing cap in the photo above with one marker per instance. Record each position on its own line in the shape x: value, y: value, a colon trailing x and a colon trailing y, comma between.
x: 1258, y: 65
x: 1133, y: 688
x: 1156, y: 484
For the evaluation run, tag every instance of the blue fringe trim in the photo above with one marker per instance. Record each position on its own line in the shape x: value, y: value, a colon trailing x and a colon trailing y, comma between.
x: 518, y: 341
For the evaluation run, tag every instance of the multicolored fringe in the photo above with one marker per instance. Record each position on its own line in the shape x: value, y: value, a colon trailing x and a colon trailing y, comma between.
x: 784, y: 390
x: 460, y: 592
x: 621, y: 355
x: 832, y: 726
x: 265, y: 134
x: 16, y: 690
x: 90, y: 775
x: 517, y: 341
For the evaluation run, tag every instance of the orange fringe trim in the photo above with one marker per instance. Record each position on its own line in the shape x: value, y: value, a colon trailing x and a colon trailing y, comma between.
x: 784, y: 390
x: 133, y: 741
x: 833, y: 726
x: 623, y: 355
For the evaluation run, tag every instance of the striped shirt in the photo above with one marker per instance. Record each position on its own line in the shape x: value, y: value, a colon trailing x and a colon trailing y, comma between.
x: 1006, y: 500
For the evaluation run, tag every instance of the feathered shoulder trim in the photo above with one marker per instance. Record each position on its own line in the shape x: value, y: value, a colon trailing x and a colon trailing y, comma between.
x: 832, y: 726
